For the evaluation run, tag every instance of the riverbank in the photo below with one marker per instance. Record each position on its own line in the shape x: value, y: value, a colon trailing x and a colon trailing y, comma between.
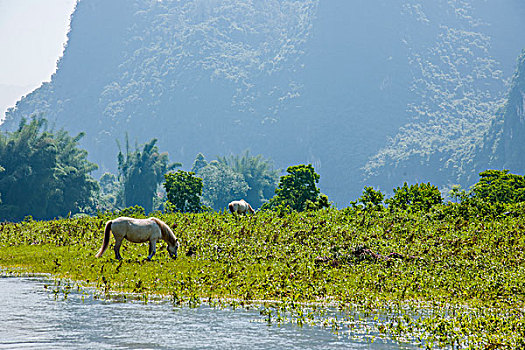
x: 446, y: 280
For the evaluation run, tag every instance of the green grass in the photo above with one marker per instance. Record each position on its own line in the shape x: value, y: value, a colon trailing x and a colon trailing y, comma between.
x: 464, y: 283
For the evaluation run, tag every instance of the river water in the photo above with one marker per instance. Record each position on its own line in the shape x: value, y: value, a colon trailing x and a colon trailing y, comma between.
x: 33, y: 317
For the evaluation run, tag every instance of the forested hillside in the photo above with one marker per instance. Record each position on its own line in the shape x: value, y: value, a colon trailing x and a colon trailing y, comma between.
x: 504, y: 145
x: 458, y: 85
x: 370, y: 92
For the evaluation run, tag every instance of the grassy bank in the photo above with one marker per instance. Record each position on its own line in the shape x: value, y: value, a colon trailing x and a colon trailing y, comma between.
x: 461, y: 281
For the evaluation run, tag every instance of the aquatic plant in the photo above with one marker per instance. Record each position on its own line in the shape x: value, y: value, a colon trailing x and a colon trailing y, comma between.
x: 436, y: 279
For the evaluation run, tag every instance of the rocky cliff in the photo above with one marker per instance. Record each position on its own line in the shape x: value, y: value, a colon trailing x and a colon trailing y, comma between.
x: 370, y: 92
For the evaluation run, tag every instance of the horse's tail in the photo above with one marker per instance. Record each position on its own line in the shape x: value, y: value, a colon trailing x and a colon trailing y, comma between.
x: 167, y: 233
x: 230, y: 206
x: 105, y: 242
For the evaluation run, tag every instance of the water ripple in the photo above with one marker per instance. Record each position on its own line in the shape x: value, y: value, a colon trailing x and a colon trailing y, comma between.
x: 32, y: 318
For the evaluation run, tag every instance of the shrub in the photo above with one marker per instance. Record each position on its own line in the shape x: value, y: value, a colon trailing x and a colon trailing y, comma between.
x: 298, y: 190
x: 184, y: 191
x: 418, y: 197
x: 499, y: 186
x: 372, y: 199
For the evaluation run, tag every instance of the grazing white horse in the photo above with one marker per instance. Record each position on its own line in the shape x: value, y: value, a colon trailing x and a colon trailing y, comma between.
x: 240, y: 207
x: 139, y: 231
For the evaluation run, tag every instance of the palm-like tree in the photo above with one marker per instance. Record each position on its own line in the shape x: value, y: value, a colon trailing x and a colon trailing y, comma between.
x: 72, y: 173
x: 141, y: 172
x: 45, y: 174
x: 28, y: 157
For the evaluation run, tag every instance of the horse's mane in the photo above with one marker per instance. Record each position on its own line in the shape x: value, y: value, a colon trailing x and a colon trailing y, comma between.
x: 167, y: 233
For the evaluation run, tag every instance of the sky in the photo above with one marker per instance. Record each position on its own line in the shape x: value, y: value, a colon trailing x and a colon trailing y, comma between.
x: 32, y: 38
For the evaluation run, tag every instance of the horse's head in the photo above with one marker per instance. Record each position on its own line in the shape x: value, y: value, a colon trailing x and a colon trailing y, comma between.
x: 173, y: 249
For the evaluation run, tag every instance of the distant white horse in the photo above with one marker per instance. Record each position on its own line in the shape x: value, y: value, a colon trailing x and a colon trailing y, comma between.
x: 139, y: 231
x: 240, y: 207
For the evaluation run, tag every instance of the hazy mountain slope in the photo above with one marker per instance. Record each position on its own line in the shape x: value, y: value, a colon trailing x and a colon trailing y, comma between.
x: 9, y: 95
x: 356, y: 87
x: 207, y: 76
x: 504, y: 145
x: 458, y: 85
x: 326, y: 82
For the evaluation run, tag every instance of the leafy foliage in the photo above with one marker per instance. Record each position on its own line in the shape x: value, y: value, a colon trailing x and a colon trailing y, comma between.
x: 321, y: 202
x: 199, y: 163
x: 372, y: 199
x: 417, y: 197
x: 141, y: 172
x: 489, y: 197
x: 136, y: 212
x: 184, y: 191
x: 298, y: 190
x: 221, y: 185
x: 459, y: 285
x: 498, y: 186
x: 258, y: 174
x: 110, y: 195
x: 45, y: 174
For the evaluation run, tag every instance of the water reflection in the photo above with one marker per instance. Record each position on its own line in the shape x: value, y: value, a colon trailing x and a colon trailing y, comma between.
x: 33, y: 319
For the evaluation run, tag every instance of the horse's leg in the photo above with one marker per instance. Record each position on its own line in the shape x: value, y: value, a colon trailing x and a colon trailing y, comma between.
x: 152, y: 249
x: 118, y: 243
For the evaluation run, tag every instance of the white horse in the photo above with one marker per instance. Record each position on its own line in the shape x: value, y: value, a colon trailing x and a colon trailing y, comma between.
x: 139, y: 231
x: 240, y: 207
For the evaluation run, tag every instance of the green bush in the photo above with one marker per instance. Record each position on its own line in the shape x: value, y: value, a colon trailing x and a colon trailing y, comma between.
x: 136, y: 212
x: 498, y: 186
x: 417, y: 197
x: 298, y: 190
x: 372, y: 199
x: 184, y: 191
x: 495, y: 194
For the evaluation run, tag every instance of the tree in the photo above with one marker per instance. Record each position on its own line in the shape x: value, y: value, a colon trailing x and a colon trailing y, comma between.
x: 184, y: 191
x: 417, y: 197
x: 1, y: 170
x: 498, y: 186
x: 141, y: 172
x: 221, y: 185
x: 458, y: 194
x: 110, y: 195
x: 199, y: 163
x: 258, y: 174
x: 298, y: 190
x: 29, y: 157
x: 72, y: 174
x: 45, y: 174
x: 372, y: 199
